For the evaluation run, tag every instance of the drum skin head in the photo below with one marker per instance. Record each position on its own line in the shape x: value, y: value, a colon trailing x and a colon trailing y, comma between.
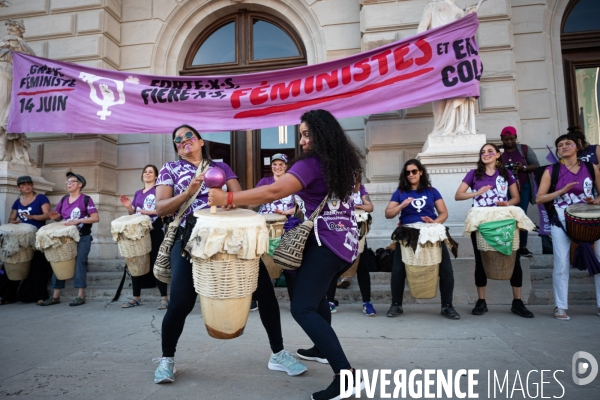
x: 584, y: 210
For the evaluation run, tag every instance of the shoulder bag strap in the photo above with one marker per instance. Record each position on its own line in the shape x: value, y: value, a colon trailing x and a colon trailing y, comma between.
x: 200, y: 170
x: 318, y: 210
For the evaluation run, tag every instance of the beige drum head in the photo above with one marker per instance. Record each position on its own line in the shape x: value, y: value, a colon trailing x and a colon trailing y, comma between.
x: 132, y: 219
x: 58, y: 229
x: 221, y: 214
x: 591, y: 211
x: 273, y: 218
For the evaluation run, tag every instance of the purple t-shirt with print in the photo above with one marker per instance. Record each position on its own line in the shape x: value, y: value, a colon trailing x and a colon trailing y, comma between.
x: 76, y: 210
x: 357, y: 196
x: 284, y: 204
x: 178, y: 174
x: 145, y: 201
x: 336, y: 225
x: 577, y: 193
x: 498, y: 192
x: 588, y: 154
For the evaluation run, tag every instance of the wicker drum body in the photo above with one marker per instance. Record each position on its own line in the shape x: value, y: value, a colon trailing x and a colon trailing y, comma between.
x: 132, y: 233
x: 226, y: 248
x: 16, y: 249
x: 59, y: 244
x: 583, y: 222
x: 496, y: 265
x: 275, y: 224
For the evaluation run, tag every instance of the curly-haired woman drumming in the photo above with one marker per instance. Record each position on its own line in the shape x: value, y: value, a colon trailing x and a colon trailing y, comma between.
x: 326, y: 170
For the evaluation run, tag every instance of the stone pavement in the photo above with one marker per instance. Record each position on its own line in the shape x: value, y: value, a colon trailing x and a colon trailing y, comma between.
x: 100, y: 351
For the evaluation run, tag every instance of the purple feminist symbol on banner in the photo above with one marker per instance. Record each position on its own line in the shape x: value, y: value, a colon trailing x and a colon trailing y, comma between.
x: 108, y: 95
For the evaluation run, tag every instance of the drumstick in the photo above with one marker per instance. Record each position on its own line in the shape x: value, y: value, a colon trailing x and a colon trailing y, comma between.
x: 214, y: 178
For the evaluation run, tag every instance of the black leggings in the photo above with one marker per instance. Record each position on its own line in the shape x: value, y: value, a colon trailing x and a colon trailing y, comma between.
x: 310, y: 309
x: 290, y: 280
x: 516, y: 280
x: 183, y: 299
x: 156, y: 237
x: 362, y: 276
x: 399, y: 277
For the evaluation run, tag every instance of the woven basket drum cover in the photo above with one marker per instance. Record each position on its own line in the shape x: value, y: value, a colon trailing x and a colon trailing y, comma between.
x: 226, y: 248
x: 496, y: 265
x: 583, y: 222
x: 132, y: 233
x: 422, y: 272
x: 275, y: 224
x: 59, y: 244
x: 16, y: 249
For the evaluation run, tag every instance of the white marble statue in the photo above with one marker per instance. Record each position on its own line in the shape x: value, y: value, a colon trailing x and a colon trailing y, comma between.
x: 13, y: 146
x: 450, y: 116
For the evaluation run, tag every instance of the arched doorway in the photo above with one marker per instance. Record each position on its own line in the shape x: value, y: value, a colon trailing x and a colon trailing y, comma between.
x: 580, y: 43
x: 245, y: 42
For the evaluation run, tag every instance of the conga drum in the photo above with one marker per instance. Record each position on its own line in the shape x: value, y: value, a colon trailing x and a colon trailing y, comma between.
x: 132, y: 234
x: 583, y: 225
x: 225, y: 248
x: 16, y: 249
x: 497, y: 265
x: 59, y: 244
x: 275, y: 223
x: 422, y: 263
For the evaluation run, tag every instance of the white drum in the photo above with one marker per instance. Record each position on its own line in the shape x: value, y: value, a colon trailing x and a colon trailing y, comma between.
x: 225, y: 249
x: 16, y: 249
x: 132, y: 234
x: 59, y: 244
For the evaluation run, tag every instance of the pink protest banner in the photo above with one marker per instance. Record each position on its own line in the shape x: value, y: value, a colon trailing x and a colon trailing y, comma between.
x: 53, y: 96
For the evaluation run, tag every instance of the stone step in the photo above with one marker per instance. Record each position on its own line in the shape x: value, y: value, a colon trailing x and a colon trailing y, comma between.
x: 98, y: 265
x: 108, y: 292
x: 541, y: 261
x: 544, y: 277
x: 578, y: 294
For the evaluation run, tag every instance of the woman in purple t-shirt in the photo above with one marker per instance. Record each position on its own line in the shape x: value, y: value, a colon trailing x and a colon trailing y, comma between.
x: 416, y: 200
x: 77, y: 209
x: 585, y: 151
x: 175, y: 185
x: 490, y: 184
x: 144, y: 202
x: 575, y: 185
x: 328, y: 168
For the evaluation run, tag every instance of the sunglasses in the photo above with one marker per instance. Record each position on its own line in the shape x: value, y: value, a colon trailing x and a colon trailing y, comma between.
x: 71, y: 182
x: 188, y: 136
x: 412, y: 172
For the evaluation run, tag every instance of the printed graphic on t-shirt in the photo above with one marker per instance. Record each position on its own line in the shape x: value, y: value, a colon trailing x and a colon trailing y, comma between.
x: 23, y: 214
x: 587, y: 187
x: 419, y: 203
x: 571, y: 198
x: 149, y: 202
x: 494, y: 195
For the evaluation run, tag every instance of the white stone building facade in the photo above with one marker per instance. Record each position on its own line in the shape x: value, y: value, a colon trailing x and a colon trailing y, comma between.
x: 523, y: 83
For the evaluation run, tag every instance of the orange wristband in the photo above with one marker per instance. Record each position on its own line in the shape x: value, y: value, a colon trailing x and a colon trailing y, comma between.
x: 229, y: 198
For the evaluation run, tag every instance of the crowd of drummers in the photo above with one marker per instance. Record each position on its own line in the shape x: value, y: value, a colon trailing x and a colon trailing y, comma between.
x: 324, y: 179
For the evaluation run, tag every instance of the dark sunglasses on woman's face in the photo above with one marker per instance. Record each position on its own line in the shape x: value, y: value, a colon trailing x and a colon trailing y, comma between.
x: 412, y: 172
x: 188, y: 135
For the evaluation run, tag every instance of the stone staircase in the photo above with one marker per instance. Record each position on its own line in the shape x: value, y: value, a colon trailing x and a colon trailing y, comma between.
x: 104, y: 277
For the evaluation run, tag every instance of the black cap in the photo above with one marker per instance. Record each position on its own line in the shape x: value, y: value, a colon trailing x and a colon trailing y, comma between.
x: 24, y: 179
x: 79, y: 178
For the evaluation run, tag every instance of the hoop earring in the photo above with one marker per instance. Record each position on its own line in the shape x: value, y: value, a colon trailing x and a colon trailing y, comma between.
x: 498, y: 163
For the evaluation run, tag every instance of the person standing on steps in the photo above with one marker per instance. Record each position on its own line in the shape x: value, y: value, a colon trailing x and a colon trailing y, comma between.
x: 490, y: 184
x: 144, y: 202
x: 522, y: 161
x: 77, y: 209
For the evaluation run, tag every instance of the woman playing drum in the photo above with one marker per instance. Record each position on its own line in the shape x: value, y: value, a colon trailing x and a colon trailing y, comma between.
x: 31, y: 208
x: 81, y: 211
x: 361, y: 202
x: 328, y: 167
x: 490, y: 184
x: 176, y: 183
x: 284, y: 206
x: 574, y: 186
x: 416, y: 200
x: 144, y: 202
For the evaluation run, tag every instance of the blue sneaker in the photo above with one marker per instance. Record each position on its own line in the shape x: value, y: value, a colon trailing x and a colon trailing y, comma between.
x: 369, y: 310
x: 332, y: 307
x: 165, y: 373
x: 284, y: 361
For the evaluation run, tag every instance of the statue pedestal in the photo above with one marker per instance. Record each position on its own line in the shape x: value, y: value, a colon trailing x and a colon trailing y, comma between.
x: 448, y: 159
x: 9, y: 172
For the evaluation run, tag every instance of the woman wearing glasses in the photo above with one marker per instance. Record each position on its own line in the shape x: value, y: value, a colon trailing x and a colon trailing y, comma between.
x: 175, y: 185
x: 79, y: 210
x: 416, y: 200
x: 144, y: 202
x: 490, y: 184
x: 575, y: 185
